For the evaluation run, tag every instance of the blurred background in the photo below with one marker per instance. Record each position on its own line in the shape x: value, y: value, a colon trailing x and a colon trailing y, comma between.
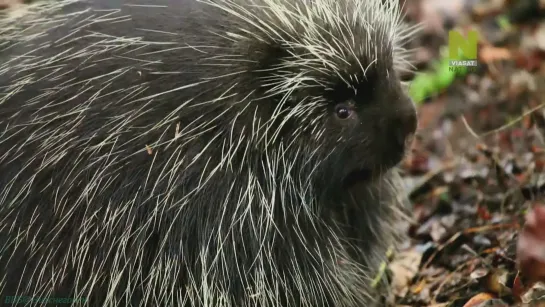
x: 475, y: 174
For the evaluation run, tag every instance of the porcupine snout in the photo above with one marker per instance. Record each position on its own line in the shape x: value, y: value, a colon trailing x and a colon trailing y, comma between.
x: 400, y: 126
x: 404, y: 124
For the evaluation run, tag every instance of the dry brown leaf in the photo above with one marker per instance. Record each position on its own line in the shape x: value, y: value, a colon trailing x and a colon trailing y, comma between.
x: 478, y: 299
x: 404, y: 268
x: 489, y: 54
x: 531, y: 246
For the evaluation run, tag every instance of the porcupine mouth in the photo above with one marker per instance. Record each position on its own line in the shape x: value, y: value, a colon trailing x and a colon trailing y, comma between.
x: 367, y: 174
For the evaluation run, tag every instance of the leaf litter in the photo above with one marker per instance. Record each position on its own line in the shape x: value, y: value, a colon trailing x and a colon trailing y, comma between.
x: 476, y: 172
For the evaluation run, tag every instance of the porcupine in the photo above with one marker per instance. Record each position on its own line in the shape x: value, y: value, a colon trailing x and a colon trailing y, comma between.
x: 201, y: 152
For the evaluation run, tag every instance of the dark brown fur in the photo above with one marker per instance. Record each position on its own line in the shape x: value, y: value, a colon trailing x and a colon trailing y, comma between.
x: 109, y: 188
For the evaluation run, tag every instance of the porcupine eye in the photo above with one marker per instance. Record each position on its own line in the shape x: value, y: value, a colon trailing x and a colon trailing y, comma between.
x: 342, y: 111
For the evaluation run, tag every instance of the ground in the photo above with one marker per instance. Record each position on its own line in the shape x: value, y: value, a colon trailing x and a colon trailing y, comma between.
x: 476, y: 172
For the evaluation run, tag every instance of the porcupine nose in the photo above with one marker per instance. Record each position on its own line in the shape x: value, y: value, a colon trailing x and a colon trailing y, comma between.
x: 405, y: 125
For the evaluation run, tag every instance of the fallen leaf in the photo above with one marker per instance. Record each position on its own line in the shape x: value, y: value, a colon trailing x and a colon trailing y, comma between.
x: 531, y: 246
x: 479, y: 299
x: 404, y: 268
x: 490, y: 54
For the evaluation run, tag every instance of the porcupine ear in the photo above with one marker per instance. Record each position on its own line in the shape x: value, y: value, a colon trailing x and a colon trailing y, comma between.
x: 269, y: 60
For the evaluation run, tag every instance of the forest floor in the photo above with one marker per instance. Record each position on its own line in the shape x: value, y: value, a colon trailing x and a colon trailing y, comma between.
x: 476, y: 174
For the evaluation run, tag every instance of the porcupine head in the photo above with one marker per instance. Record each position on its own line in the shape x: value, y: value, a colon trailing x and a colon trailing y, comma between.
x: 249, y: 164
x: 340, y: 120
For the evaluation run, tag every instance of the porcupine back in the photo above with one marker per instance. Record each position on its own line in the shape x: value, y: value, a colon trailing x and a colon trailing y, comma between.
x: 183, y: 153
